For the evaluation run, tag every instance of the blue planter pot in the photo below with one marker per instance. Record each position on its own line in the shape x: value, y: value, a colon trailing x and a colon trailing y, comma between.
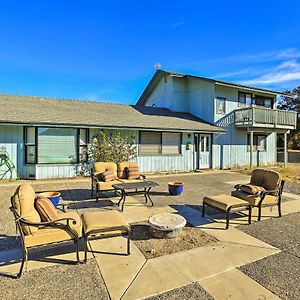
x: 54, y: 197
x: 175, y: 188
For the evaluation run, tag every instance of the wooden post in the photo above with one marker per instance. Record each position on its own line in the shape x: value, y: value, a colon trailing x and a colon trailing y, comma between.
x: 285, y: 159
x: 251, y: 148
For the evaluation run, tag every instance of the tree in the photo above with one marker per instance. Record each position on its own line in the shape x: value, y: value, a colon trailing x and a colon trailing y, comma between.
x: 292, y: 102
x: 112, y: 147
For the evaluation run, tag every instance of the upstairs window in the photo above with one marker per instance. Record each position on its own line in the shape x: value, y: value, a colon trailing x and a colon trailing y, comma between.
x: 245, y: 99
x: 220, y: 105
x: 265, y: 102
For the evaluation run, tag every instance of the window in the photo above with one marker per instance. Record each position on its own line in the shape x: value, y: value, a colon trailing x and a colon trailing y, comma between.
x: 266, y: 102
x: 83, y: 145
x: 157, y: 143
x: 57, y: 145
x: 30, y: 145
x: 220, y: 105
x: 259, y: 142
x: 171, y: 143
x: 245, y: 99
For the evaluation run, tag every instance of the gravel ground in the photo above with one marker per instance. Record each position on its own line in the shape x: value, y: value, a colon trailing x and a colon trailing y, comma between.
x: 279, y: 273
x: 191, y: 291
x: 189, y: 238
x: 56, y: 283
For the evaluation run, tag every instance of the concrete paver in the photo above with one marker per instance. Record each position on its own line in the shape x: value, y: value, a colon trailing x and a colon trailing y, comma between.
x: 118, y: 270
x: 235, y: 285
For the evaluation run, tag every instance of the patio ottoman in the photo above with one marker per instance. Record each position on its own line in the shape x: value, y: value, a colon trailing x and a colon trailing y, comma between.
x: 104, y: 224
x: 226, y: 203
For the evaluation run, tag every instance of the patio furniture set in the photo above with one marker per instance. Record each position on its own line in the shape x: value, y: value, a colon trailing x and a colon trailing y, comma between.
x: 40, y: 223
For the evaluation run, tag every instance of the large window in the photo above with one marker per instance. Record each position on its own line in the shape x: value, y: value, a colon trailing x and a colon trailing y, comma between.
x: 45, y: 145
x: 157, y: 143
x: 259, y: 142
x: 57, y: 145
x: 245, y: 99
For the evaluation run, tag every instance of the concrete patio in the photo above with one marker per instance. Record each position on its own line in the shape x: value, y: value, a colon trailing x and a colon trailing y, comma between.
x: 214, y: 272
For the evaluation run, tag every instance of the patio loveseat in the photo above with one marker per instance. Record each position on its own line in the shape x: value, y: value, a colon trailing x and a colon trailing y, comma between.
x: 119, y: 175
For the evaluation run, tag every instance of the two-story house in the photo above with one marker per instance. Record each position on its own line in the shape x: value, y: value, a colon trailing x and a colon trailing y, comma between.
x: 247, y: 114
x: 180, y: 123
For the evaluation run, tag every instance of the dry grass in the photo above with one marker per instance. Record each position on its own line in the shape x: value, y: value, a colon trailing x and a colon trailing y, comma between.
x: 288, y: 173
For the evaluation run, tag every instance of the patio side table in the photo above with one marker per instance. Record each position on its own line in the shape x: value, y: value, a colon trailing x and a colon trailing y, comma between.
x: 142, y: 187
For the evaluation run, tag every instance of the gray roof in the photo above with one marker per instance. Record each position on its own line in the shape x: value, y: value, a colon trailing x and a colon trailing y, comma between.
x: 47, y: 111
x: 160, y: 73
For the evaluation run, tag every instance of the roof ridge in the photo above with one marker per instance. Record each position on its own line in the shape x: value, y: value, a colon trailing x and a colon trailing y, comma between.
x: 66, y: 99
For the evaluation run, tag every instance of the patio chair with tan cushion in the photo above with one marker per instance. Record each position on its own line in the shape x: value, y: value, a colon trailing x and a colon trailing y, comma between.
x: 34, y: 232
x: 265, y: 189
x: 97, y: 180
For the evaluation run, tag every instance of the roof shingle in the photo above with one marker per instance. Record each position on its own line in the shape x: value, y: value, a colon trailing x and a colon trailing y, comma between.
x: 48, y: 111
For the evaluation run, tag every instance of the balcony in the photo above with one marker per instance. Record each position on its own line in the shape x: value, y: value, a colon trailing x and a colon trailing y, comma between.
x: 265, y: 118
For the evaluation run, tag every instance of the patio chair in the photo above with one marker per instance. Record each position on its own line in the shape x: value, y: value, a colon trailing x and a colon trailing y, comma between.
x: 36, y: 233
x: 265, y: 189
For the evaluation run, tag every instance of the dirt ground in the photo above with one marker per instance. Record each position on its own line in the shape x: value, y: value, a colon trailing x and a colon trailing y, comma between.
x: 189, y: 238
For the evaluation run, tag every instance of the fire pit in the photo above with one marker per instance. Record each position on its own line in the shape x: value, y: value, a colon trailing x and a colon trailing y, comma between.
x: 166, y: 225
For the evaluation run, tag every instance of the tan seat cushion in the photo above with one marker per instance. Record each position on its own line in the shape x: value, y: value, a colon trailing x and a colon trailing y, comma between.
x: 23, y: 201
x: 107, y: 186
x: 46, y: 209
x: 48, y: 235
x: 95, y: 220
x: 223, y: 201
x: 122, y: 168
x: 100, y: 167
x: 254, y: 199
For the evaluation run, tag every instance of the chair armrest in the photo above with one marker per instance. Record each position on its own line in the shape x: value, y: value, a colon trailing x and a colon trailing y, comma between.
x: 237, y: 186
x: 267, y: 192
x: 63, y: 206
x: 49, y: 223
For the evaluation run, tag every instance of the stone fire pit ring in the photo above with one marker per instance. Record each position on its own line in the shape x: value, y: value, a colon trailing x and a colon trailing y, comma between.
x: 166, y: 225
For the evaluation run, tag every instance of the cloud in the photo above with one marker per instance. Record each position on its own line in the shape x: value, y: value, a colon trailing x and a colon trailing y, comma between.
x: 284, y: 72
x: 177, y: 24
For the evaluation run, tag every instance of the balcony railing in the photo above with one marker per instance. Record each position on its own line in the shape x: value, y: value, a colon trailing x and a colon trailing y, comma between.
x: 265, y: 117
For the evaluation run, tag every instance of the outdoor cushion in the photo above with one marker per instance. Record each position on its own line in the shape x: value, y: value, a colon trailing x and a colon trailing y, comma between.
x: 105, y: 186
x: 95, y: 220
x: 49, y: 235
x: 122, y: 166
x: 223, y: 201
x: 254, y: 199
x: 268, y: 179
x: 251, y: 189
x: 100, y: 167
x: 271, y: 180
x: 23, y: 201
x: 257, y: 177
x: 132, y: 172
x: 46, y: 209
x: 108, y: 176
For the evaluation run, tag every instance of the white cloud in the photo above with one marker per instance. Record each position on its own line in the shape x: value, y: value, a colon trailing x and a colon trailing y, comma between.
x: 177, y: 24
x: 284, y: 72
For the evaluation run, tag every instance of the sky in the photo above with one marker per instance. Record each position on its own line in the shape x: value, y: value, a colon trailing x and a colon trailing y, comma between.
x: 107, y: 50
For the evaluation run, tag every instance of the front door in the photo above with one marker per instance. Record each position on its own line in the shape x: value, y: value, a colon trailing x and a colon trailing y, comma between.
x: 204, y: 151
